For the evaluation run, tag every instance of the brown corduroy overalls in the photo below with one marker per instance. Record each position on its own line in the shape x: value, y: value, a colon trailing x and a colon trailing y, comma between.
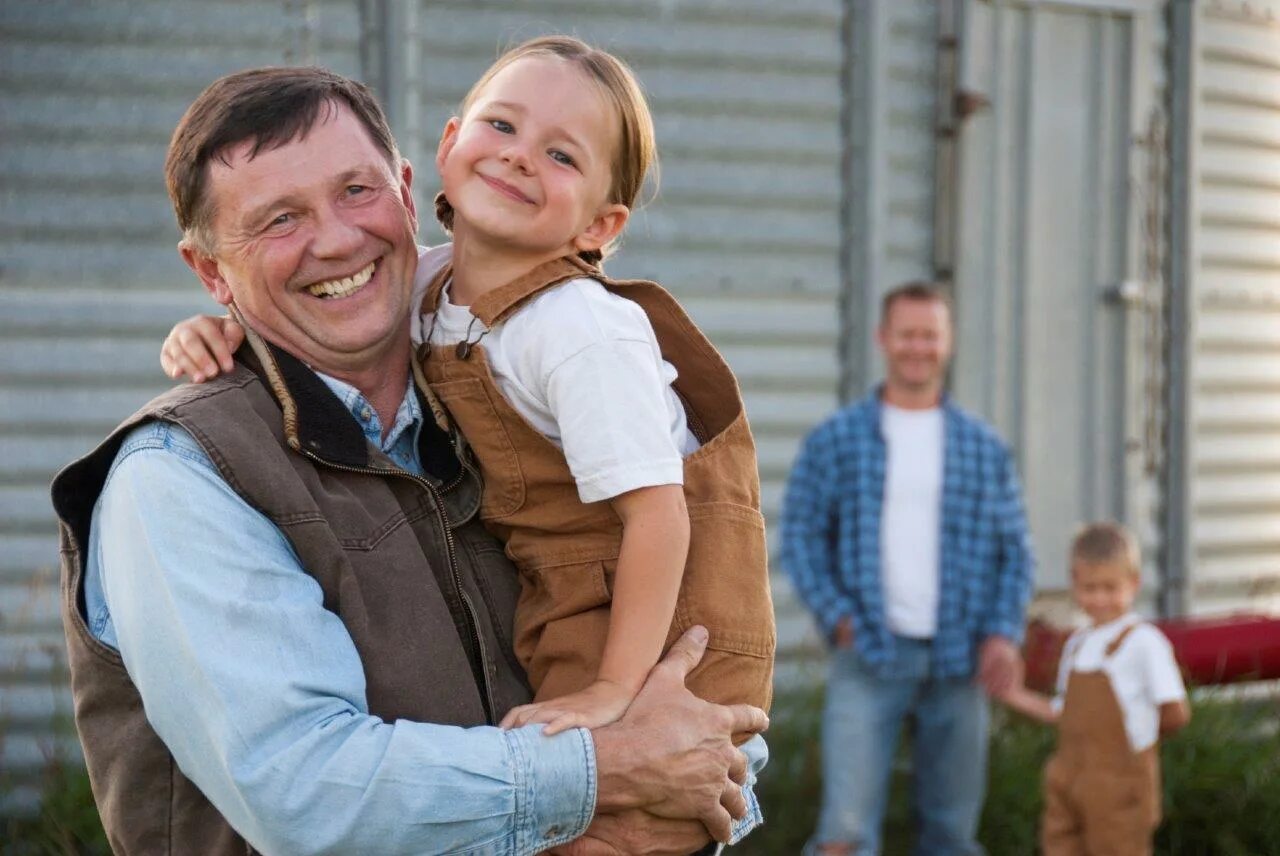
x: 1100, y: 797
x: 567, y: 550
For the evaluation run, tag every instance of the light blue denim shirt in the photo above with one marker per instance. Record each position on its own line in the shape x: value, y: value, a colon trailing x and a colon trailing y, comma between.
x: 268, y: 715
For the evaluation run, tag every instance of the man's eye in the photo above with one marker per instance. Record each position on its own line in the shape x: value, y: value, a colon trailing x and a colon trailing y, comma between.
x: 560, y: 157
x: 280, y: 220
x: 502, y: 127
x: 355, y: 189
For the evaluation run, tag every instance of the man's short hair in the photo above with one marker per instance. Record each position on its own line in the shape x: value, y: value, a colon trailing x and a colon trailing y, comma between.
x: 269, y: 106
x: 917, y: 290
x: 1104, y: 543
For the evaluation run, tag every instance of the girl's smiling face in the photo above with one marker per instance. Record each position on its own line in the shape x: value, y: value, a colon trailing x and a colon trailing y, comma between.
x: 529, y: 166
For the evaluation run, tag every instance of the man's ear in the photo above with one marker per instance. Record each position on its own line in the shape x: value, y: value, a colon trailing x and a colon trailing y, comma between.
x: 447, y: 140
x: 206, y: 267
x: 608, y: 224
x: 406, y: 192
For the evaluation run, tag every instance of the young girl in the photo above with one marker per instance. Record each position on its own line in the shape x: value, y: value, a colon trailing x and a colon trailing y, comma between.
x: 1119, y: 691
x: 618, y: 465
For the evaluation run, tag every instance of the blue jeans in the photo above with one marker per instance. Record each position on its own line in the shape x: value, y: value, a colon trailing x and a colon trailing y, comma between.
x: 863, y: 719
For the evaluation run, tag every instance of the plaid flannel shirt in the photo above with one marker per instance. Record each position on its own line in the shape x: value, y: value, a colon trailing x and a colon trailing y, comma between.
x: 831, y: 536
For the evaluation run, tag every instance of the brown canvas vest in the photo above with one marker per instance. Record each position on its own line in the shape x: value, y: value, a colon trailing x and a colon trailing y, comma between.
x: 425, y: 592
x: 567, y: 550
x: 1101, y: 797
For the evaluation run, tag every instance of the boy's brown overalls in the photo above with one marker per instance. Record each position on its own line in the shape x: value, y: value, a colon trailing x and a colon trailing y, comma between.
x: 567, y: 550
x: 1100, y: 797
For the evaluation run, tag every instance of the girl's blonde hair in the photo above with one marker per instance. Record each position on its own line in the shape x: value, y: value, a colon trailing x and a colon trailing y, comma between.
x: 636, y: 152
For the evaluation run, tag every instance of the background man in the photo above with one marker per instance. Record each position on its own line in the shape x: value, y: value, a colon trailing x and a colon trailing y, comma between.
x: 904, y: 533
x: 273, y: 582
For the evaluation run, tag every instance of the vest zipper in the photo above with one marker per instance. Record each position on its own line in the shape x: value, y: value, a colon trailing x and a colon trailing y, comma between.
x: 473, y: 621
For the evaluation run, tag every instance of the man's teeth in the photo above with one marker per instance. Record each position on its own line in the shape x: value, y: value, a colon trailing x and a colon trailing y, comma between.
x: 342, y: 287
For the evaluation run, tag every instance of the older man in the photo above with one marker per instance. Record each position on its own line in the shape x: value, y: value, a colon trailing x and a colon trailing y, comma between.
x: 287, y: 628
x: 904, y: 534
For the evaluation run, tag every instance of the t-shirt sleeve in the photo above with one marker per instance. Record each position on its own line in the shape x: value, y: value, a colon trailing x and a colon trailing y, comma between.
x: 1164, y: 679
x: 609, y: 401
x: 594, y: 360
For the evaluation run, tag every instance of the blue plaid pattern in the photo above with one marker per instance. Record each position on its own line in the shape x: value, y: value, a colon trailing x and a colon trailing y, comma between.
x: 831, y: 536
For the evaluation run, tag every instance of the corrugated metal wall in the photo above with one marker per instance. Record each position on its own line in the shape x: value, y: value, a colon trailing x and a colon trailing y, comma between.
x: 1234, y: 474
x: 89, y: 278
x: 1052, y: 184
x: 746, y: 228
x: 894, y: 80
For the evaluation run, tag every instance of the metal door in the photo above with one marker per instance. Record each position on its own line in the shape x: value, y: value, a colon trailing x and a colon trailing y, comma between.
x: 1047, y: 252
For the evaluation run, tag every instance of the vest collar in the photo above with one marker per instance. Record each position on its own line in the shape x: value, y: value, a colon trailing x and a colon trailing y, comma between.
x: 317, y: 423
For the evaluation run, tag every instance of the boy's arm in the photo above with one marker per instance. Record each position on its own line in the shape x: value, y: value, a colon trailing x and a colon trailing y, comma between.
x: 1030, y: 703
x: 655, y: 543
x: 1174, y: 716
x: 201, y: 347
x: 1164, y: 680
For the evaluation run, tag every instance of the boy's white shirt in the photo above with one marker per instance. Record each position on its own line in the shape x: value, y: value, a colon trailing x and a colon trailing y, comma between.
x: 583, y: 367
x: 1143, y: 672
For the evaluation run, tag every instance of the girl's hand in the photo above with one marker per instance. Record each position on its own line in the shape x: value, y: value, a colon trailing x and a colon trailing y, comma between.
x: 201, y: 347
x: 599, y: 704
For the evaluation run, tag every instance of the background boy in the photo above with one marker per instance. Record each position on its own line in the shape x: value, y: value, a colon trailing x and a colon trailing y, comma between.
x: 1119, y: 691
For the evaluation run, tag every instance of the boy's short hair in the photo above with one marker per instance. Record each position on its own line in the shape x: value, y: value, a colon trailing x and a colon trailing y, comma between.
x: 1096, y: 543
x: 919, y: 290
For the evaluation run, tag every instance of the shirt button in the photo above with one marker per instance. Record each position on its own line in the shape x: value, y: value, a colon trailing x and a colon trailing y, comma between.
x: 366, y: 414
x: 552, y: 833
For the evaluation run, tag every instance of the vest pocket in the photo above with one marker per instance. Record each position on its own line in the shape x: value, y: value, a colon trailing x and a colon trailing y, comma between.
x: 475, y: 413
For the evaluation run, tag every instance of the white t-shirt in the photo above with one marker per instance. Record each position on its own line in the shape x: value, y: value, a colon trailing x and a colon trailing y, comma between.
x: 583, y: 367
x: 911, y: 520
x: 1142, y: 671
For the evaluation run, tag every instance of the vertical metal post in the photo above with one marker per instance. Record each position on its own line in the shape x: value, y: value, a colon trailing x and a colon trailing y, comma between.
x: 855, y: 289
x: 301, y: 49
x: 946, y: 142
x: 389, y: 58
x: 1177, y: 509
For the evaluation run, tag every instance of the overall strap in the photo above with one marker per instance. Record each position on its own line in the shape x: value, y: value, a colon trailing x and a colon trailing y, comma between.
x: 1119, y: 640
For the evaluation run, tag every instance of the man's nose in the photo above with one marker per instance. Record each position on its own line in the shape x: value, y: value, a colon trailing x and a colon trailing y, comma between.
x: 335, y: 235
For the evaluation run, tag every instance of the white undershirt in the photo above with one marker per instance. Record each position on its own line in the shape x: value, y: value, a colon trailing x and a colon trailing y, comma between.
x: 583, y: 367
x: 1143, y: 673
x: 910, y: 524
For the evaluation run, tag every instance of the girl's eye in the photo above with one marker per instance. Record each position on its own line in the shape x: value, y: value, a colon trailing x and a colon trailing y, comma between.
x: 502, y: 127
x: 560, y: 157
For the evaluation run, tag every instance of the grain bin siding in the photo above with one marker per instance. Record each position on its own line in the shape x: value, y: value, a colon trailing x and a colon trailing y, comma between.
x: 1234, y: 537
x: 745, y: 229
x: 89, y: 279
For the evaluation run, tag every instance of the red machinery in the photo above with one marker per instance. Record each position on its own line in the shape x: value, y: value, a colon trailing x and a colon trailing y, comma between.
x: 1216, y: 650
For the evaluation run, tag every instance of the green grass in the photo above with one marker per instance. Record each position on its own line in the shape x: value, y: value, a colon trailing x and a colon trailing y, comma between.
x: 1221, y: 783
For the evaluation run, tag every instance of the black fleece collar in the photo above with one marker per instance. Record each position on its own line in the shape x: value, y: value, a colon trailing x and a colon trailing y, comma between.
x: 326, y: 429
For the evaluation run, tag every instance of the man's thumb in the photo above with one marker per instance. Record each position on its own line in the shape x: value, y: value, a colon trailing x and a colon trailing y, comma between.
x: 687, y: 651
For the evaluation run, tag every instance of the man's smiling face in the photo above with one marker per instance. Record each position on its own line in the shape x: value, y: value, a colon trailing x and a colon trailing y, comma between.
x: 314, y: 243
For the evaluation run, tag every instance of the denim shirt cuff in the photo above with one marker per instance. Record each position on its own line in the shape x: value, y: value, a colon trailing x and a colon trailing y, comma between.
x: 555, y: 786
x: 757, y: 752
x: 750, y: 820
